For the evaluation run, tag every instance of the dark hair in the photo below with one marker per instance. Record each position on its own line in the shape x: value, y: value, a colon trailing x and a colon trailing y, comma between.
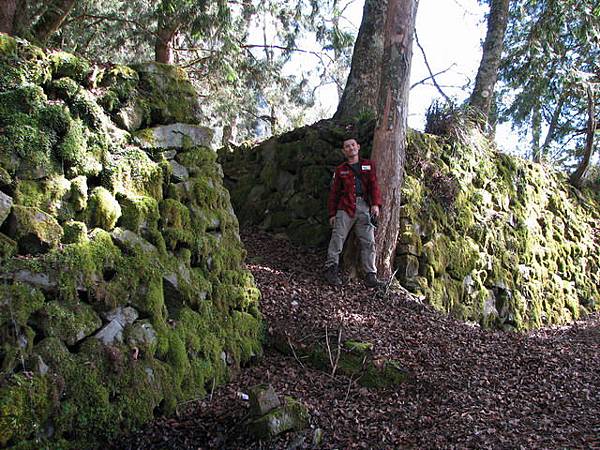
x: 347, y: 137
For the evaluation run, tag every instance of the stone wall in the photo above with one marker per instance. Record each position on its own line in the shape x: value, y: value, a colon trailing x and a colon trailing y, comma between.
x: 122, y: 287
x: 486, y: 237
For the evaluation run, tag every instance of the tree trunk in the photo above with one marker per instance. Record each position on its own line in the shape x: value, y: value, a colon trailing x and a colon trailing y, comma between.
x: 578, y: 176
x: 487, y: 74
x: 7, y: 16
x: 389, y: 142
x: 52, y: 18
x: 362, y: 86
x: 553, y: 123
x: 163, y: 46
x: 536, y: 133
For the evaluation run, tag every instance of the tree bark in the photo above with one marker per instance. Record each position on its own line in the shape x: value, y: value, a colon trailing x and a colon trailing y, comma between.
x: 362, y: 86
x: 578, y: 176
x: 389, y: 142
x: 52, y: 18
x: 163, y: 46
x: 487, y: 74
x: 536, y: 133
x: 553, y: 123
x: 7, y: 16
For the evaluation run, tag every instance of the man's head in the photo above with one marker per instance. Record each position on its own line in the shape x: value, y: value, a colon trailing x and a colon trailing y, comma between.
x: 351, y: 148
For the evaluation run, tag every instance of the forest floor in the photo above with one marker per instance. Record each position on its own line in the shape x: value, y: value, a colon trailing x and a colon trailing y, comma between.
x: 468, y: 387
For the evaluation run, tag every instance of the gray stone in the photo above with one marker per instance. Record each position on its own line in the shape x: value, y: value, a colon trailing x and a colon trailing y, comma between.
x: 169, y: 154
x: 6, y: 203
x: 262, y: 400
x: 408, y: 266
x: 38, y: 280
x: 177, y: 135
x: 131, y: 116
x: 124, y: 315
x: 127, y: 240
x: 489, y: 305
x: 178, y: 172
x: 40, y: 366
x: 291, y: 416
x: 111, y: 333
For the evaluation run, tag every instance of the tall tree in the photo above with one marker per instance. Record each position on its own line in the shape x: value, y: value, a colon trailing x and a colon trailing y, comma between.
x: 552, y: 49
x: 487, y: 74
x: 362, y: 86
x: 52, y: 18
x: 13, y: 16
x: 592, y: 123
x: 389, y: 142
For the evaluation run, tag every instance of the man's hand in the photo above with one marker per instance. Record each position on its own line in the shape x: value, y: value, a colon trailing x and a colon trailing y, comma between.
x: 332, y: 221
x: 375, y: 210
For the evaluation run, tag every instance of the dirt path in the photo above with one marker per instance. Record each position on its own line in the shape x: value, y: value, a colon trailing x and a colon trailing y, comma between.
x: 468, y: 388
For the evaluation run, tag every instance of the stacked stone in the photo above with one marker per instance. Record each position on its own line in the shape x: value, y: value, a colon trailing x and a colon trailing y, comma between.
x: 282, y: 185
x: 486, y: 237
x: 123, y: 289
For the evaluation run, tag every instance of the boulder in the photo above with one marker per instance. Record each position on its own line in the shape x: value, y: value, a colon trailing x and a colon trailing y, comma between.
x: 263, y: 400
x: 103, y: 209
x: 178, y: 172
x: 119, y: 319
x: 177, y: 135
x: 33, y: 229
x: 129, y: 241
x: 292, y: 416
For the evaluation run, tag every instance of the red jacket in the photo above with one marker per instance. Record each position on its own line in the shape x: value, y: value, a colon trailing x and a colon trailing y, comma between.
x: 342, y: 195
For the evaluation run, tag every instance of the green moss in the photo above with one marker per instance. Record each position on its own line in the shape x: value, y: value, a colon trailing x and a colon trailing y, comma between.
x: 75, y: 232
x: 81, y: 102
x: 103, y: 209
x: 73, y: 148
x: 25, y: 405
x: 70, y: 323
x: 68, y: 65
x: 139, y: 213
x: 131, y: 172
x: 8, y: 45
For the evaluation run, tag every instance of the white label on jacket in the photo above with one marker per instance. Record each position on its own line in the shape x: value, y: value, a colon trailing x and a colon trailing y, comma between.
x: 366, y: 167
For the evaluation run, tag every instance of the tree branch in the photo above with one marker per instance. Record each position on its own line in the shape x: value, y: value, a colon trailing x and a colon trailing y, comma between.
x: 432, y: 76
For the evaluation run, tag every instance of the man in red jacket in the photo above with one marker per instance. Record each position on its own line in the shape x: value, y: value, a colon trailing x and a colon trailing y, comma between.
x: 354, y: 198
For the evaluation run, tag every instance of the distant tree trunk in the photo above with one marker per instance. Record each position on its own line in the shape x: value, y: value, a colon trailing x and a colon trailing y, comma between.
x: 487, y: 74
x: 578, y: 176
x: 362, y: 86
x: 536, y: 133
x: 553, y: 123
x: 52, y: 18
x: 389, y: 142
x: 163, y: 46
x: 8, y: 9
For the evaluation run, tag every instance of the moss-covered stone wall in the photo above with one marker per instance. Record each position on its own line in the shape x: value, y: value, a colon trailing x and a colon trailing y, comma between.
x: 486, y: 237
x: 122, y: 286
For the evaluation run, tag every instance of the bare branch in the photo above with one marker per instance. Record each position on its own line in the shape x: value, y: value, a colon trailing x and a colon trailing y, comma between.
x: 432, y: 76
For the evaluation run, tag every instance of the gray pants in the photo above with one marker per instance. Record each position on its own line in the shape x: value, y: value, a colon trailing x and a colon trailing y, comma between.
x: 364, y: 230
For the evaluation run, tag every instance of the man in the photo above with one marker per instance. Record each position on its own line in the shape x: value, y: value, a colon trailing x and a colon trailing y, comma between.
x: 353, y: 199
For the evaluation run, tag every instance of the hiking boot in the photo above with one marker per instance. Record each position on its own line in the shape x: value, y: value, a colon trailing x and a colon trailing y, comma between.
x: 372, y: 281
x: 332, y: 276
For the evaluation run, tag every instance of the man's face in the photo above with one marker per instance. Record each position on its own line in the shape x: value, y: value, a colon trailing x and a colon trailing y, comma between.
x: 350, y: 148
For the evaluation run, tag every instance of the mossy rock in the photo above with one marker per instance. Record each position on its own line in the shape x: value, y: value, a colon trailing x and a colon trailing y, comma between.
x: 103, y: 209
x: 69, y: 323
x: 75, y: 232
x: 68, y: 65
x: 33, y: 230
